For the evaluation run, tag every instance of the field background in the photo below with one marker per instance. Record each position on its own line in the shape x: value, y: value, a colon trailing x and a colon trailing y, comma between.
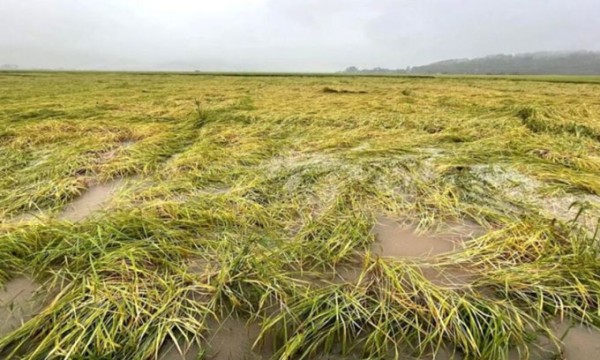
x: 242, y: 197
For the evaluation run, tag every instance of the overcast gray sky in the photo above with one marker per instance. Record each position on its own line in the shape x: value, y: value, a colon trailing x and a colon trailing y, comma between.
x: 285, y: 35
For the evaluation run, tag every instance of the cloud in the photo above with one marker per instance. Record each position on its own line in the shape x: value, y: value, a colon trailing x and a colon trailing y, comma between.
x: 285, y: 35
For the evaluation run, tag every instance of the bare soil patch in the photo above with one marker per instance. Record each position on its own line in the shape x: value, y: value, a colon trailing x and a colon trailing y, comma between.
x: 231, y: 339
x: 579, y: 342
x: 394, y: 239
x: 93, y: 199
x: 17, y: 303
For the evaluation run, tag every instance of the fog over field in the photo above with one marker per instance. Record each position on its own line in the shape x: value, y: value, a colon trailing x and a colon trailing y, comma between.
x: 284, y: 35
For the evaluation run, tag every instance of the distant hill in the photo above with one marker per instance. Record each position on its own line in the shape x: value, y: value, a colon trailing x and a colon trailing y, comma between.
x: 539, y: 63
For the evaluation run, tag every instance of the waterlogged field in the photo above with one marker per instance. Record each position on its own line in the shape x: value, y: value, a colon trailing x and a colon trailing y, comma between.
x: 147, y: 216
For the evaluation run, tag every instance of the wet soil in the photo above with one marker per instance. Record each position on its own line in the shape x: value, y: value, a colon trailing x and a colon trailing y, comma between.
x: 93, y: 199
x: 579, y: 342
x: 231, y: 339
x: 397, y: 240
x: 18, y: 303
x: 394, y: 239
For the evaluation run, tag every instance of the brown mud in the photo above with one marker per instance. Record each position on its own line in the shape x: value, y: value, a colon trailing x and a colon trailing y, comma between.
x: 93, y: 199
x: 231, y: 339
x: 18, y: 303
x: 394, y: 239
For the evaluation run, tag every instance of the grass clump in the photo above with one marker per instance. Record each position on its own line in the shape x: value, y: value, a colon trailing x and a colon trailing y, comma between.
x: 329, y: 90
x: 545, y: 122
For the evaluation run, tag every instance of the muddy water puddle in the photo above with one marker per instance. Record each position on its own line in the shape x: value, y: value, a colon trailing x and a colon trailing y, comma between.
x: 397, y: 240
x: 18, y: 303
x: 449, y: 277
x: 394, y: 239
x: 579, y: 342
x: 231, y: 339
x: 93, y: 199
x: 234, y: 339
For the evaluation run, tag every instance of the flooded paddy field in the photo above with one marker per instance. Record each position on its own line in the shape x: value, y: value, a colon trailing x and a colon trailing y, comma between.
x: 165, y: 216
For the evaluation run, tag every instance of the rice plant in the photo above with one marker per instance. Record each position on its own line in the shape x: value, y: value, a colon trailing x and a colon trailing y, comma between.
x: 258, y: 200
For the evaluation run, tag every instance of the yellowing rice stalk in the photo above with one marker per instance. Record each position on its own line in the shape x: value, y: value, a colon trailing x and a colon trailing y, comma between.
x: 174, y: 216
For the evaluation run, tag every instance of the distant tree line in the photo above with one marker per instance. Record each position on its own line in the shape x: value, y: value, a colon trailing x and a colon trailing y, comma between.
x: 376, y: 70
x: 540, y: 63
x: 9, y: 67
